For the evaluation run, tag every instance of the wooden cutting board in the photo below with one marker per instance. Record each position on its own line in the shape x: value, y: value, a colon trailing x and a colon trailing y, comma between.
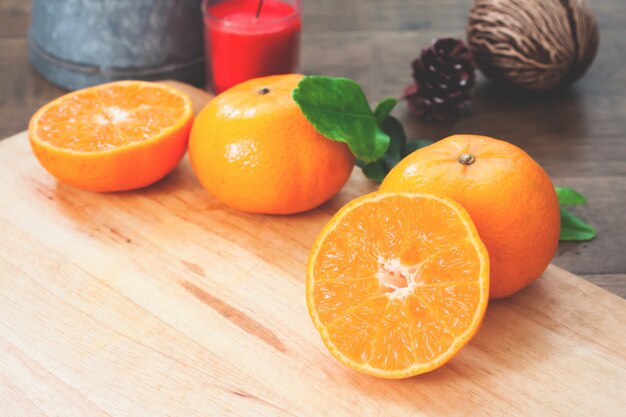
x: 163, y: 302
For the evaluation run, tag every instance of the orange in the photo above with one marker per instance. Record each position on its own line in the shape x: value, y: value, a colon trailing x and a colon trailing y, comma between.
x: 509, y: 196
x: 253, y: 149
x: 397, y: 283
x: 112, y: 137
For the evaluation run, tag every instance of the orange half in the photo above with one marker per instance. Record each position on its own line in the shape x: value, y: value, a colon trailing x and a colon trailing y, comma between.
x: 113, y: 137
x: 397, y: 283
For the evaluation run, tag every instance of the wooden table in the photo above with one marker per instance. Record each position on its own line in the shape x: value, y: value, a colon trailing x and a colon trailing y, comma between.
x: 577, y: 135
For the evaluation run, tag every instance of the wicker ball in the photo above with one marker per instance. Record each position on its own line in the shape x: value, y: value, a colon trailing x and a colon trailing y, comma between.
x: 538, y: 45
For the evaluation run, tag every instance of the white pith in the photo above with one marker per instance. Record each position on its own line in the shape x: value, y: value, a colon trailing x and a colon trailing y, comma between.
x: 392, y: 270
x: 117, y: 115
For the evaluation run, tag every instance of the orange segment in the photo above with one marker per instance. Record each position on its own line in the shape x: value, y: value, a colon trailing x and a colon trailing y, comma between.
x: 397, y: 283
x: 337, y: 297
x: 113, y: 137
x: 357, y: 345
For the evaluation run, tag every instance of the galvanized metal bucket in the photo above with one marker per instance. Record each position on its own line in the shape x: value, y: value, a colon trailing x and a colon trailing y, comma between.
x: 78, y: 43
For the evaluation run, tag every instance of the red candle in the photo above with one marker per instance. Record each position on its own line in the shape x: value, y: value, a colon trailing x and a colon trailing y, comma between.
x: 247, y: 39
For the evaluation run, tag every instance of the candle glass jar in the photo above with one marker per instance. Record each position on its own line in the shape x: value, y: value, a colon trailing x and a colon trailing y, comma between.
x: 247, y: 39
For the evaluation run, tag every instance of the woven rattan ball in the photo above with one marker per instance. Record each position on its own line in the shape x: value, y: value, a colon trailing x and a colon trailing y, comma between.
x: 537, y: 45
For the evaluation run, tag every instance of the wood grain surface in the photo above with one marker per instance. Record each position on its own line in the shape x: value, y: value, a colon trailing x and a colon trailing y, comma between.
x: 163, y: 302
x: 576, y: 134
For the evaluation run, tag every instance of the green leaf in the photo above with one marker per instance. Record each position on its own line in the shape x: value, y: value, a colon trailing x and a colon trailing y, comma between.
x: 383, y: 110
x: 414, y: 145
x: 375, y: 171
x: 397, y: 141
x: 338, y: 109
x: 569, y: 197
x: 575, y: 228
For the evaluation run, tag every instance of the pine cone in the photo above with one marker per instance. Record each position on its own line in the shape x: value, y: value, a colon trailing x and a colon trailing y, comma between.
x: 444, y: 75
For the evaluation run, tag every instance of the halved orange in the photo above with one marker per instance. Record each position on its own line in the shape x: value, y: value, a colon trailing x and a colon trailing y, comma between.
x: 397, y: 283
x: 113, y: 137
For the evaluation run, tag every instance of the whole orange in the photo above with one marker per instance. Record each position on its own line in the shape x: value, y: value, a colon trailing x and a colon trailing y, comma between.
x: 508, y: 195
x: 253, y: 149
